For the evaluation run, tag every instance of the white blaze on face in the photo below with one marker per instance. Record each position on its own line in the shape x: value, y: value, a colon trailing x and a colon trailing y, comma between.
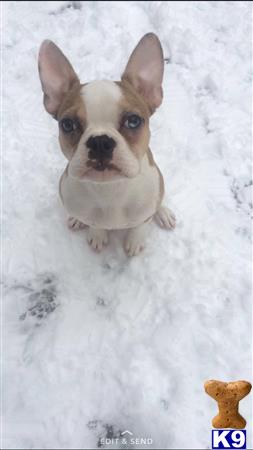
x: 102, y: 106
x: 101, y: 99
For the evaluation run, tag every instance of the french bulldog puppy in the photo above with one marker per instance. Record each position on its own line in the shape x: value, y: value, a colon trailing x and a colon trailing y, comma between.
x: 111, y: 181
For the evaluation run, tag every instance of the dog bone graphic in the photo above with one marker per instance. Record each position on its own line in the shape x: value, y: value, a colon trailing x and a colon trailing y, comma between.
x: 228, y: 396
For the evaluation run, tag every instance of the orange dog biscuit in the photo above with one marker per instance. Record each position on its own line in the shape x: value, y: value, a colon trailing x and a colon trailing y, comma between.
x: 228, y: 396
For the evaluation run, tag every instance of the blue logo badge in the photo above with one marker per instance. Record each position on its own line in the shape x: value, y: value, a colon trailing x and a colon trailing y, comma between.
x: 228, y: 439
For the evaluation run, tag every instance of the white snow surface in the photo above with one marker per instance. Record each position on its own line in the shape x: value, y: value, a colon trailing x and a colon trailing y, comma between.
x: 126, y: 344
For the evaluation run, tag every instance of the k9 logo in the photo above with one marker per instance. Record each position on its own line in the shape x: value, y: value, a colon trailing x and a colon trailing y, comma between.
x: 228, y: 439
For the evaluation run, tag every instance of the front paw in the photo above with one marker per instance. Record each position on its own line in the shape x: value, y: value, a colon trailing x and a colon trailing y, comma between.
x: 75, y: 224
x: 97, y: 239
x: 135, y: 241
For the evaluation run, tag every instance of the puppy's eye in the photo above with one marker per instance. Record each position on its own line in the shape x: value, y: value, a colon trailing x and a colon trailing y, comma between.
x: 133, y: 121
x: 69, y: 125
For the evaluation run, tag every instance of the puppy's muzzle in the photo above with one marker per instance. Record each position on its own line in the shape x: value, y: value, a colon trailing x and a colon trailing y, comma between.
x: 100, y: 151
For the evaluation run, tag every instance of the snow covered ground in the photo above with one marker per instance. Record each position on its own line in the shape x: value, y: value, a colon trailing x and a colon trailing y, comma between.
x: 97, y: 344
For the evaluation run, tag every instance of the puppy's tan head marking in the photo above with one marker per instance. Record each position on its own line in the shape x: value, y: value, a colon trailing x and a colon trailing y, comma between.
x: 72, y: 109
x: 133, y: 103
x: 117, y: 111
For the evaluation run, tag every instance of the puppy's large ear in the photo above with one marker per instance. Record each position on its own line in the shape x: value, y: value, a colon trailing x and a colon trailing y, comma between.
x: 144, y: 70
x: 57, y: 75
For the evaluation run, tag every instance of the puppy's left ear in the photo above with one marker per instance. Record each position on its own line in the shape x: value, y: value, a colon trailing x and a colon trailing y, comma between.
x: 145, y: 68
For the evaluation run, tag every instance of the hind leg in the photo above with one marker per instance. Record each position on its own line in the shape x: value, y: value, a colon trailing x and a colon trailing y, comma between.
x: 165, y: 218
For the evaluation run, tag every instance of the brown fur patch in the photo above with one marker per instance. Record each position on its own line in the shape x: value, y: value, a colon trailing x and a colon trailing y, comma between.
x: 138, y: 139
x: 161, y: 187
x: 150, y: 158
x: 65, y: 174
x: 161, y: 180
x: 72, y: 107
x: 133, y: 100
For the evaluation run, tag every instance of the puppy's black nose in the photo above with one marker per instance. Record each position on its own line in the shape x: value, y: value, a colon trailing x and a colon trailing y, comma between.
x: 101, y: 147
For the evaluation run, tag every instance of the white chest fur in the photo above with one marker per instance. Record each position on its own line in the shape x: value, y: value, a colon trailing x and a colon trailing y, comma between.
x: 119, y: 204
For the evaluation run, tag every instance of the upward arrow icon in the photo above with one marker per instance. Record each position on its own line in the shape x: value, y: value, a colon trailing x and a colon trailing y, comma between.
x: 126, y: 432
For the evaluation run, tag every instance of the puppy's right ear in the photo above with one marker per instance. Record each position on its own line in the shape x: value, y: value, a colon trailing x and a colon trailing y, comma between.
x: 57, y: 76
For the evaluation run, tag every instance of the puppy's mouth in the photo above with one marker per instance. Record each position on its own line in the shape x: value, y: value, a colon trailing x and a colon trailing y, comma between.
x: 101, y: 165
x: 100, y: 171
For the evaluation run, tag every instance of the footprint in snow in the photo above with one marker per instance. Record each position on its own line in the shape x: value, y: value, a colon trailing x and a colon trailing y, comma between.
x: 42, y: 298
